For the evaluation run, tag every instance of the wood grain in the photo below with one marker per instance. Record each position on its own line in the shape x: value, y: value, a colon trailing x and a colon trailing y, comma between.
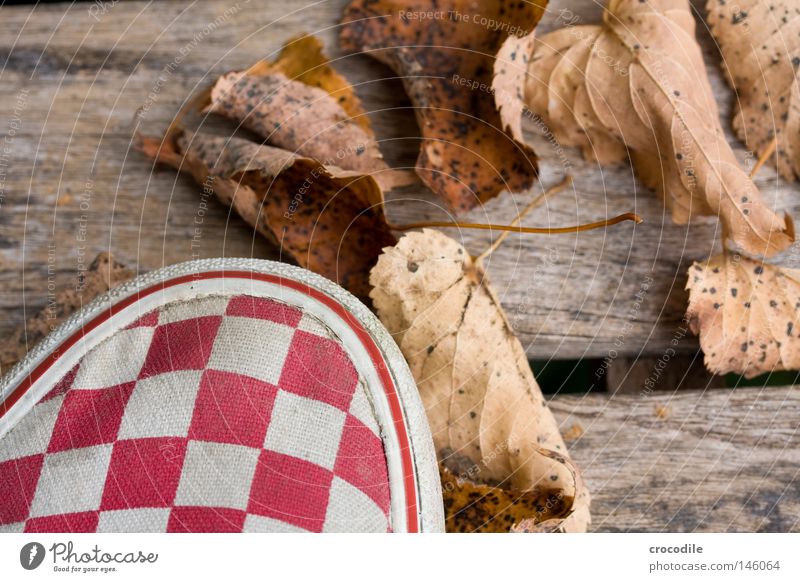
x: 718, y: 460
x: 103, y: 273
x: 73, y: 79
x: 70, y: 187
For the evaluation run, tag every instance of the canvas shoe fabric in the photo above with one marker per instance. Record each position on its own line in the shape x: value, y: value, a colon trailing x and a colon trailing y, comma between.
x: 226, y: 407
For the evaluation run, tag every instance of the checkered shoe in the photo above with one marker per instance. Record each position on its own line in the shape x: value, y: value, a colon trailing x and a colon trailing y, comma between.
x: 217, y: 396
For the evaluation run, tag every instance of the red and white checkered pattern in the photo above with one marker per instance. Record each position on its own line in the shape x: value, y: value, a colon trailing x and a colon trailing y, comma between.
x: 215, y: 414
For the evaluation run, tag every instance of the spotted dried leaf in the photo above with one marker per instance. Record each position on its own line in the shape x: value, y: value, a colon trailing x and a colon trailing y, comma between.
x: 638, y: 82
x: 445, y: 54
x: 301, y: 104
x: 760, y: 45
x: 302, y: 59
x: 747, y: 315
x: 329, y: 220
x: 477, y: 507
x: 487, y: 414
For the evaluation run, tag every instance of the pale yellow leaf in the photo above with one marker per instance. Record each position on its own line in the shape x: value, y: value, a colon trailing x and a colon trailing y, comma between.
x: 747, y: 314
x: 760, y: 45
x: 484, y: 406
x: 638, y: 81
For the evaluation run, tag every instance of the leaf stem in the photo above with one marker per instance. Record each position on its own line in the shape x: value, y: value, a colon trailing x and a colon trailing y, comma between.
x: 765, y: 155
x: 535, y: 203
x: 521, y: 229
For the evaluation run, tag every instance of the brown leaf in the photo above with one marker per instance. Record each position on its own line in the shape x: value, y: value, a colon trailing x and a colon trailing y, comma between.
x: 301, y: 104
x: 573, y: 433
x: 329, y: 220
x: 104, y: 273
x: 747, y: 315
x: 475, y: 507
x: 760, y: 44
x: 301, y: 59
x: 484, y: 406
x: 445, y: 54
x: 638, y: 81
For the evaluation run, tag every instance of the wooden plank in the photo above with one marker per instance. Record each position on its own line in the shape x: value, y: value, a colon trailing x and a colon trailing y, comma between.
x: 720, y: 460
x: 104, y: 273
x: 72, y: 82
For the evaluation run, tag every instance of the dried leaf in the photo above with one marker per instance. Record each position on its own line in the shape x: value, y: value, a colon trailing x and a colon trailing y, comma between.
x: 638, y: 81
x: 760, y: 44
x: 329, y: 220
x: 485, y: 409
x: 301, y: 104
x: 301, y: 59
x: 476, y: 507
x: 747, y: 315
x: 445, y: 54
x: 508, y: 81
x: 573, y: 433
x: 104, y: 273
x: 662, y: 412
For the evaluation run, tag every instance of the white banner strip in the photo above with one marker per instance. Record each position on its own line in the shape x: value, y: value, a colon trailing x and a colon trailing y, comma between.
x: 633, y: 557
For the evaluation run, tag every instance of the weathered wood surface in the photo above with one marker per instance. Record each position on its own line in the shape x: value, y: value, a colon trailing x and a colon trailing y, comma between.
x: 104, y: 273
x: 718, y: 460
x: 73, y: 77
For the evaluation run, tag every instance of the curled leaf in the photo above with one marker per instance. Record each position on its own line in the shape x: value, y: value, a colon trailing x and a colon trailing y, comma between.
x: 760, y: 44
x: 637, y: 81
x: 484, y: 407
x: 508, y: 82
x: 301, y: 104
x: 301, y: 59
x: 747, y: 315
x: 445, y: 54
x: 329, y: 220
